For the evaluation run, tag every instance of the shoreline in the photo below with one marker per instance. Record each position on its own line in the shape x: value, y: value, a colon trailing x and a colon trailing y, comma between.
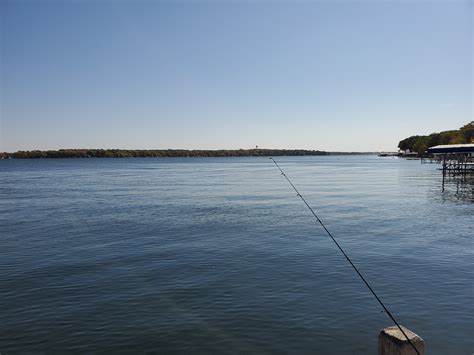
x: 166, y: 153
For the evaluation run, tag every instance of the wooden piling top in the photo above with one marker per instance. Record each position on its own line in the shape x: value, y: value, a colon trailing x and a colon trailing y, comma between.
x: 393, y: 342
x: 396, y: 334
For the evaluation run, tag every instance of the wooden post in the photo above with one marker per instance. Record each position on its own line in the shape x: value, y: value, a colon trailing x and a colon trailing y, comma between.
x: 444, y: 168
x: 393, y: 342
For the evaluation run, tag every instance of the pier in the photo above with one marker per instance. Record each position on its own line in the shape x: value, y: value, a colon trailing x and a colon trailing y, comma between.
x: 455, y: 164
x: 455, y: 160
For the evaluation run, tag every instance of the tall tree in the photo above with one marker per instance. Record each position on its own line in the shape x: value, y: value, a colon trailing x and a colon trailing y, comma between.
x: 468, y: 132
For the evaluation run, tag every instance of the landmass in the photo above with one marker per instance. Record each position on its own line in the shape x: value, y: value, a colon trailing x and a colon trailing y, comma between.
x: 420, y: 144
x: 140, y: 153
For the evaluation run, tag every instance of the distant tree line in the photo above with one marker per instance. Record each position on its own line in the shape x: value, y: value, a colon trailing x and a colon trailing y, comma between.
x: 125, y: 153
x: 420, y: 144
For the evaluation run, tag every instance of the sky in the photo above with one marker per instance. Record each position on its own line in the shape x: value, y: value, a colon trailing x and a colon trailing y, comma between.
x: 328, y: 75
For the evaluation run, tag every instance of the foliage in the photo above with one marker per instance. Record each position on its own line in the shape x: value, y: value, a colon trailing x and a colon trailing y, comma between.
x: 121, y: 153
x: 420, y: 144
x: 468, y: 132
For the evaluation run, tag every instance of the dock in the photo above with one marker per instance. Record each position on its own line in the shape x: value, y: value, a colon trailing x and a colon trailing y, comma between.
x: 456, y: 159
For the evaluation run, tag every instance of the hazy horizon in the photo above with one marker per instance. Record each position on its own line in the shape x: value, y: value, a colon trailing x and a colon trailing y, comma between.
x: 332, y: 76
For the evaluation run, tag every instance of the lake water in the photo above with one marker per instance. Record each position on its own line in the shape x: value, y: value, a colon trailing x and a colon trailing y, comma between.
x: 218, y: 255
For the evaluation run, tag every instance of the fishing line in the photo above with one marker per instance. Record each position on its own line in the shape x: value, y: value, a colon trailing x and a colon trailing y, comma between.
x: 346, y: 256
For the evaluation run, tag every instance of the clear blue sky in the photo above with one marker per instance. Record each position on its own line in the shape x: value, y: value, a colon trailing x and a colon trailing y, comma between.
x: 331, y: 75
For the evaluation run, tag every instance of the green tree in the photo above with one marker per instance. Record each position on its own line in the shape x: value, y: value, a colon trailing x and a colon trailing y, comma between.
x: 421, y: 145
x: 468, y: 132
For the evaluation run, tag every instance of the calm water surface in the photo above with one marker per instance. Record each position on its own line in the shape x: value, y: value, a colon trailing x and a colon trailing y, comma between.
x: 219, y: 256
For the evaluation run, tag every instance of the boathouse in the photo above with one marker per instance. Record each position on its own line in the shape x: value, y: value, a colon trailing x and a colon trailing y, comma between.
x: 453, y: 149
x: 456, y: 158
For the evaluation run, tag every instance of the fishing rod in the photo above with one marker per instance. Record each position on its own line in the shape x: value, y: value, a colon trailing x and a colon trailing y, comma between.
x: 346, y: 256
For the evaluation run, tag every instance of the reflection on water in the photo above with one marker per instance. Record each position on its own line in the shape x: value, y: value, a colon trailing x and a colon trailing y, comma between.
x: 458, y: 187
